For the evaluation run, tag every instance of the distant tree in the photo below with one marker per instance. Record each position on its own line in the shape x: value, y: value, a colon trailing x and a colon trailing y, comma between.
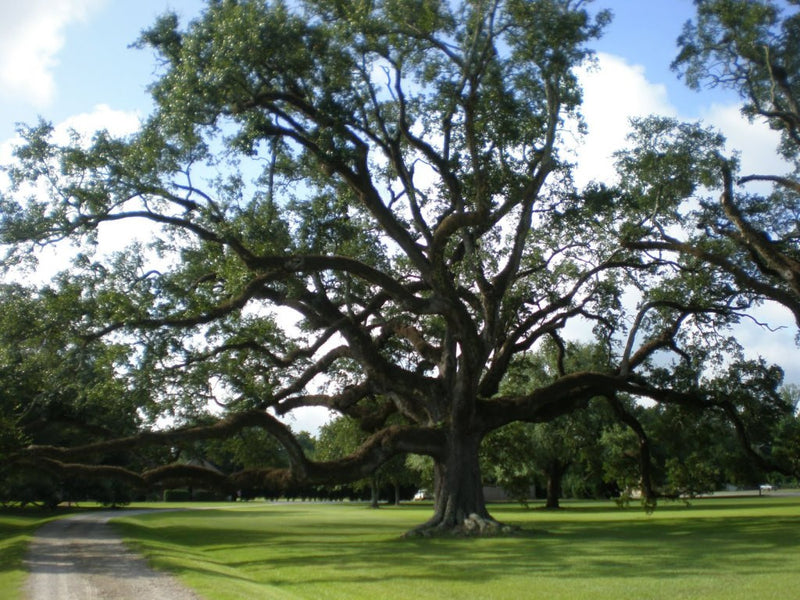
x: 519, y: 454
x: 786, y: 440
x: 621, y: 461
x: 421, y: 468
x: 786, y: 447
x: 694, y: 451
x: 341, y: 437
x: 397, y: 474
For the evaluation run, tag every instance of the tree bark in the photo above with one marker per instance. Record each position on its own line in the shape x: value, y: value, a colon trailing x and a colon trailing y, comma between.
x: 459, y: 505
x: 555, y: 472
x: 374, y: 493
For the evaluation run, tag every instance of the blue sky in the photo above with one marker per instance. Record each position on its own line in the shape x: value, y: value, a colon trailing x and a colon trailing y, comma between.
x: 70, y: 61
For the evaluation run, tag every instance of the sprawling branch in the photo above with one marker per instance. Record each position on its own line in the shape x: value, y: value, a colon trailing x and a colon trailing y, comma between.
x: 758, y: 241
x: 542, y: 322
x: 664, y: 339
x: 319, y: 367
x: 789, y: 184
x: 344, y: 402
x: 253, y: 288
x: 221, y: 429
x: 547, y: 402
x: 745, y: 280
x: 375, y: 451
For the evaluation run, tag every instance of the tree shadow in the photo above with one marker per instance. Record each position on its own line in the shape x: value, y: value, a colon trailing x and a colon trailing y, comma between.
x: 330, y: 553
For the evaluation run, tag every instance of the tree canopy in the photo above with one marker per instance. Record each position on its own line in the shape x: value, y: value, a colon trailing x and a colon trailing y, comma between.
x: 368, y: 206
x: 749, y: 236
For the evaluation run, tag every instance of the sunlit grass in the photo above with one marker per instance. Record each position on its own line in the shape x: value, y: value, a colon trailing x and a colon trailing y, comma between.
x: 722, y: 548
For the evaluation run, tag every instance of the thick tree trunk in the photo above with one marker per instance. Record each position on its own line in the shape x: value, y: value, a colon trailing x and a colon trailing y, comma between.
x: 459, y: 506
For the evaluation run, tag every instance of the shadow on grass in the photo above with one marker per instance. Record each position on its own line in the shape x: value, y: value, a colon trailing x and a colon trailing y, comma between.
x: 282, y: 547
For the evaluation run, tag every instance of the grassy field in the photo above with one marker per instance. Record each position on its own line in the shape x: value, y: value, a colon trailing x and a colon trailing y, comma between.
x: 746, y: 548
x: 737, y: 548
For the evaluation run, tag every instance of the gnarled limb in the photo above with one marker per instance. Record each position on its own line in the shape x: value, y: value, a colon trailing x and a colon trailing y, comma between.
x: 757, y: 240
x: 376, y: 450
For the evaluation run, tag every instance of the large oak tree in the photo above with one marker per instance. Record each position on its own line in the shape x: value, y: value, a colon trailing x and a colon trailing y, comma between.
x: 364, y: 206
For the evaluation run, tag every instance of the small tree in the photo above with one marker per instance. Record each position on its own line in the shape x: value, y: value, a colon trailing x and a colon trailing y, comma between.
x: 786, y: 447
x: 341, y: 437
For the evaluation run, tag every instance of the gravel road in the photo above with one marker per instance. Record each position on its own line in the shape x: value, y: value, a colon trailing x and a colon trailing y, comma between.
x: 80, y: 558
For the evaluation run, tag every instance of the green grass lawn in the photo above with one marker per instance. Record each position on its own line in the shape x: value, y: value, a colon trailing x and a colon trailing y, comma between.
x: 746, y: 548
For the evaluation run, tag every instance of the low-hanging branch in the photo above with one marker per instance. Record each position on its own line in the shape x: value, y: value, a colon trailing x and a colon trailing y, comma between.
x: 375, y: 451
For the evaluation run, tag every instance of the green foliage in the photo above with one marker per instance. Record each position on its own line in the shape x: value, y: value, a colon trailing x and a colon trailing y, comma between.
x: 786, y: 448
x: 338, y: 438
x: 250, y: 448
x: 342, y: 436
x: 668, y: 164
x: 690, y: 476
x: 751, y: 47
x: 512, y: 459
x: 421, y: 470
x: 59, y: 389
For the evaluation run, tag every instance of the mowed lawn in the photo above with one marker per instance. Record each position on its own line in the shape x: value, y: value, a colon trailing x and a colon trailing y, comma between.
x: 746, y: 548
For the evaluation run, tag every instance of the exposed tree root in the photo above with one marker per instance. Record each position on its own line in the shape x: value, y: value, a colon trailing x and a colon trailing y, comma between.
x: 472, y: 526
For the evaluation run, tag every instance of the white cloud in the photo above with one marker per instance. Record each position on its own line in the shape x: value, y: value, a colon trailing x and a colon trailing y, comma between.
x: 310, y: 419
x: 116, y: 122
x: 614, y: 91
x: 31, y: 36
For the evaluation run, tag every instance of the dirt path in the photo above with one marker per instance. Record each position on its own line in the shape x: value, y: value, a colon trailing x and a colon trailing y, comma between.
x: 80, y: 558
